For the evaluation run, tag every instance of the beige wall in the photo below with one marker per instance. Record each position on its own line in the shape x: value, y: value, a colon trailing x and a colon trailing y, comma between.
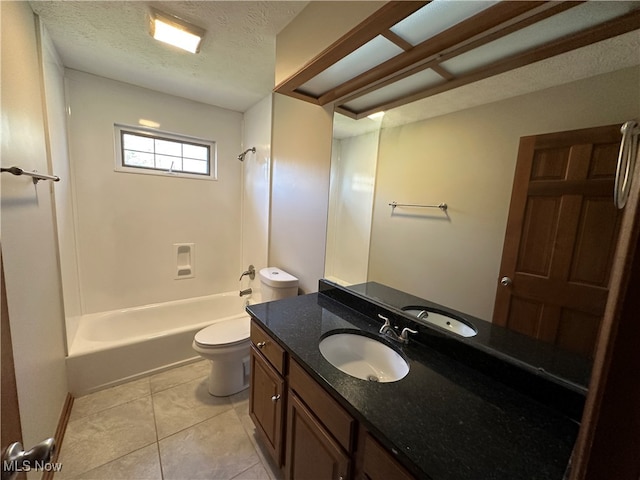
x: 127, y: 223
x: 301, y: 144
x: 28, y: 233
x: 301, y: 156
x: 467, y: 159
x: 353, y: 173
x: 314, y: 29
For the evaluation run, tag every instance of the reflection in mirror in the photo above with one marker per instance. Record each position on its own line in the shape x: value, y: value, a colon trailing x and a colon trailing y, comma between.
x: 461, y: 148
x: 354, y: 155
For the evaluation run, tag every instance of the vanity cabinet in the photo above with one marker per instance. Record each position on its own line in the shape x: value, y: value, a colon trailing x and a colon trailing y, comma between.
x: 317, y: 438
x: 311, y: 450
x: 378, y: 464
x: 267, y: 399
x: 320, y: 433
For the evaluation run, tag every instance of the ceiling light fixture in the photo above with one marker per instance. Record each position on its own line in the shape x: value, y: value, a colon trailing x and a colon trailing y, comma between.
x: 175, y: 31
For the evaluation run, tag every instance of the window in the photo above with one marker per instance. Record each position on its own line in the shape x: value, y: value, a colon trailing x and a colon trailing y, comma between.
x: 140, y: 150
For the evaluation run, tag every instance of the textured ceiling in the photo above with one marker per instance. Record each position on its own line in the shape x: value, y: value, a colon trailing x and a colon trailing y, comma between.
x: 235, y: 66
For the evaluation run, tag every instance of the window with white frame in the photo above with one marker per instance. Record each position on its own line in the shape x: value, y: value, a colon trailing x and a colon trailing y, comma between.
x: 140, y: 150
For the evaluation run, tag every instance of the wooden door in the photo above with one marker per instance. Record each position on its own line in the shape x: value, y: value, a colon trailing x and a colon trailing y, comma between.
x: 312, y: 453
x: 266, y: 403
x: 560, y: 238
x: 11, y: 427
x: 608, y: 444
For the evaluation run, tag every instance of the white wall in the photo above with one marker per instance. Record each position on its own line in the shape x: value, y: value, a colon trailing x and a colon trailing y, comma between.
x: 467, y: 159
x: 63, y: 193
x: 28, y: 233
x: 256, y: 189
x: 127, y: 223
x: 301, y: 155
x: 353, y: 172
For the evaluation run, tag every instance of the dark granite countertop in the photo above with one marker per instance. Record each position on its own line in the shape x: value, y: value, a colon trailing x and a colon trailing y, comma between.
x: 559, y: 365
x: 445, y: 419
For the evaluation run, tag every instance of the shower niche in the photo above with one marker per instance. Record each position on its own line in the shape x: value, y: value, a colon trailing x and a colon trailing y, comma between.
x: 184, y: 253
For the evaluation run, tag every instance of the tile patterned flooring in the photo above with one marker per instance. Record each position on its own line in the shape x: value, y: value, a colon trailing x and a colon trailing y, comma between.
x: 165, y: 426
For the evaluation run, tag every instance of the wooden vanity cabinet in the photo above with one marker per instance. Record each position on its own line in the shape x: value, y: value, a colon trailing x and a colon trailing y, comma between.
x: 267, y: 395
x: 317, y: 438
x: 320, y: 433
x: 378, y: 463
x: 311, y: 450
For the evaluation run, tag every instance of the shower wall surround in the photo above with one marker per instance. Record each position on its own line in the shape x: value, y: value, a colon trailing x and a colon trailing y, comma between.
x: 127, y: 224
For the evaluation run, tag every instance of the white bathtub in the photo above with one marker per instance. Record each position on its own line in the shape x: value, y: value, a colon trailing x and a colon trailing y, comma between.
x: 112, y: 347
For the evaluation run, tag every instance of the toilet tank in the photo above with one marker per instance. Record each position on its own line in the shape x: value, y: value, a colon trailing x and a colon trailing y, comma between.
x: 277, y: 284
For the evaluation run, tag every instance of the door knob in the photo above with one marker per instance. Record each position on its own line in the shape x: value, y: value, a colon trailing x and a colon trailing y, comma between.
x: 15, y: 459
x: 275, y: 398
x: 505, y: 281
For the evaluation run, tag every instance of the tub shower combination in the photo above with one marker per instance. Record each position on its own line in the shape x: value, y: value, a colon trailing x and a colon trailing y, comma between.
x: 120, y: 345
x: 113, y: 347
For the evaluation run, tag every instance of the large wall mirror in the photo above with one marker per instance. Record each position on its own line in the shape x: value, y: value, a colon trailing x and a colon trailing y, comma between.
x: 460, y: 148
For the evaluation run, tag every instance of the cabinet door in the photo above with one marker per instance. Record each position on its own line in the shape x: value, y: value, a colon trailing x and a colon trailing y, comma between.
x: 379, y: 464
x: 267, y: 403
x: 311, y: 451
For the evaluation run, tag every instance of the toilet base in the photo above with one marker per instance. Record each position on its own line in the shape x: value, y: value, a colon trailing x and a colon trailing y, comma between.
x: 228, y: 378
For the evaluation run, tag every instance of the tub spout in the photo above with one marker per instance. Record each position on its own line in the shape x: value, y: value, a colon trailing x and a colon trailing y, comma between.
x: 246, y: 291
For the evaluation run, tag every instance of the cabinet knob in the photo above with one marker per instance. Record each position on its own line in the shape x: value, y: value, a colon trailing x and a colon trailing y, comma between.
x: 261, y: 344
x: 275, y: 398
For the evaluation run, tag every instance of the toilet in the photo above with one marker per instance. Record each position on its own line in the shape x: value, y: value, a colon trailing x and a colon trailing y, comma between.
x: 277, y: 284
x: 226, y: 344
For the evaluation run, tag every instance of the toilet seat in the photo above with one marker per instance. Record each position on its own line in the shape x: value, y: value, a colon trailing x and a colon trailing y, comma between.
x: 223, y: 334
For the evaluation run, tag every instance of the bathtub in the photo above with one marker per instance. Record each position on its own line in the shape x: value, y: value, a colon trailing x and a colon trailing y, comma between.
x: 113, y: 347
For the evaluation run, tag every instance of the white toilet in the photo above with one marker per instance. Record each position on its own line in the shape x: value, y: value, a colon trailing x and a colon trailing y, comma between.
x: 226, y: 344
x: 277, y: 284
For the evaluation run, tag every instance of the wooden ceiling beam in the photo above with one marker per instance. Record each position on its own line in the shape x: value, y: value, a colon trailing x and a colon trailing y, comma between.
x: 397, y: 39
x: 491, y: 24
x: 612, y: 28
x: 383, y: 19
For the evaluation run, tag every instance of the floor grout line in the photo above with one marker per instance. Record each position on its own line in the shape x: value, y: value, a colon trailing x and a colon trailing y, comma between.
x: 238, y: 405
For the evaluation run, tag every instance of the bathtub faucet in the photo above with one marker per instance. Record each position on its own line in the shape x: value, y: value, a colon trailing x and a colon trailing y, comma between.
x: 246, y: 291
x: 251, y: 272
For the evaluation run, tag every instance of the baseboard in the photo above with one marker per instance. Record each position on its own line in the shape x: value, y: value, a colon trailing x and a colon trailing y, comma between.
x: 60, y: 431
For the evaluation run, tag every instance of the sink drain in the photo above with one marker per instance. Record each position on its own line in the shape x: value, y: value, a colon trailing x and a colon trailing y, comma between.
x: 372, y: 378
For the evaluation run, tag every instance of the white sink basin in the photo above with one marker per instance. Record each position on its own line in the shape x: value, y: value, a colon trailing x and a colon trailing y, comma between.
x: 363, y: 357
x: 442, y: 320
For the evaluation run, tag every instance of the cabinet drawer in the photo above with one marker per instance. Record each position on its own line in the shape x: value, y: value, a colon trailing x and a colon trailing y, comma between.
x: 379, y: 464
x: 268, y: 347
x: 335, y: 418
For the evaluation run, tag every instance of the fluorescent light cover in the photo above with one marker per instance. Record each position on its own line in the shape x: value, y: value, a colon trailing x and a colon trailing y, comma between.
x: 376, y: 116
x: 176, y: 32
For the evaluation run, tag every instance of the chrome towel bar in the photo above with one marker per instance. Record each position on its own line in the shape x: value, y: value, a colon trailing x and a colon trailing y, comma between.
x: 36, y: 176
x: 441, y: 206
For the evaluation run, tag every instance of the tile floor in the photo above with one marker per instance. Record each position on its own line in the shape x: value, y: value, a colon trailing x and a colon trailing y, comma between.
x: 165, y: 426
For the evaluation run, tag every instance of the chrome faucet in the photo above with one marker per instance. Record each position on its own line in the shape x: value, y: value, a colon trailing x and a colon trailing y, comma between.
x: 246, y: 291
x: 387, y: 329
x: 251, y: 272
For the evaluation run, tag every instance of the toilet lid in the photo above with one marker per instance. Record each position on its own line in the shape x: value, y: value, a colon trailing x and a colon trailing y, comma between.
x: 227, y: 332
